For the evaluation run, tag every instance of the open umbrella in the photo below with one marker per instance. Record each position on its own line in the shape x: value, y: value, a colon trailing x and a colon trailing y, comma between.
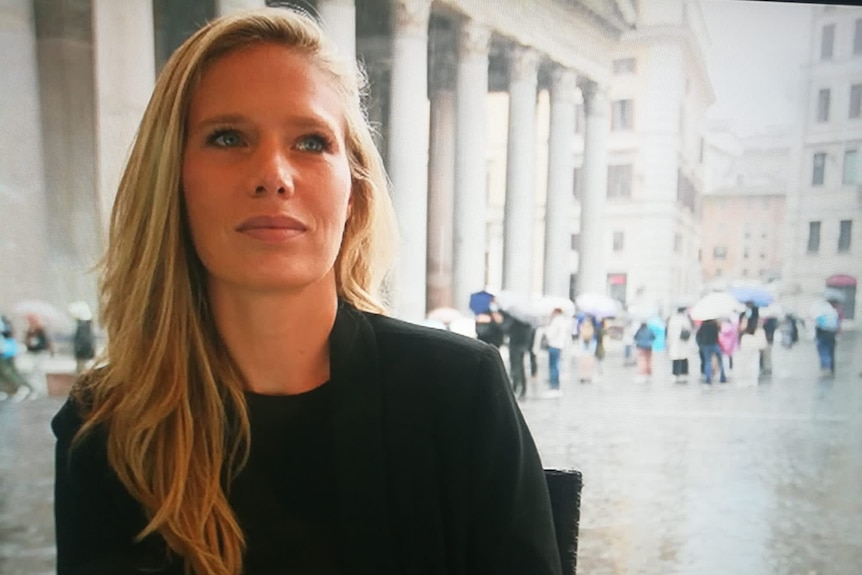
x: 520, y: 308
x: 480, y: 301
x: 757, y: 294
x: 714, y: 306
x: 597, y: 305
x: 444, y: 315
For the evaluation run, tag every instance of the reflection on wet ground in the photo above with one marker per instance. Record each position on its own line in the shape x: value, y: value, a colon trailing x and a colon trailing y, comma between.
x: 679, y: 478
x: 693, y: 479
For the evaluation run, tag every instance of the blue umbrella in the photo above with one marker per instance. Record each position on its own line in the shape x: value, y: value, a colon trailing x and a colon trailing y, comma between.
x: 756, y: 294
x: 480, y: 301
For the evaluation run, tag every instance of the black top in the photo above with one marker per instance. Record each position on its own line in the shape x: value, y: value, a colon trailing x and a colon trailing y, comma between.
x: 430, y: 464
x: 284, y: 498
x: 708, y: 333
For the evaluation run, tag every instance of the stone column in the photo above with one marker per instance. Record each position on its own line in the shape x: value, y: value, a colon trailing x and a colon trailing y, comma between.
x: 520, y: 171
x: 592, y: 276
x: 408, y: 151
x: 339, y: 19
x: 23, y: 241
x: 65, y: 50
x: 227, y: 6
x: 558, y: 207
x: 471, y: 179
x: 125, y: 74
x: 441, y: 175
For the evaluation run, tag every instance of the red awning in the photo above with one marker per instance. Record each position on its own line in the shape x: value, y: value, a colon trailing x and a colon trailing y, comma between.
x: 840, y: 280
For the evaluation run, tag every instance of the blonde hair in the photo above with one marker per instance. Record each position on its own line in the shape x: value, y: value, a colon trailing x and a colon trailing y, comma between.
x: 168, y: 395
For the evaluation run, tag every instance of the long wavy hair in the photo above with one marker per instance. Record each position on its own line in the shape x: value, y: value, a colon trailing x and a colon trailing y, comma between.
x: 166, y: 393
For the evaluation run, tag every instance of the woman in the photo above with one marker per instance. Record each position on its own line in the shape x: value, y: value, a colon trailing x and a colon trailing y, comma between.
x: 253, y: 412
x: 679, y: 330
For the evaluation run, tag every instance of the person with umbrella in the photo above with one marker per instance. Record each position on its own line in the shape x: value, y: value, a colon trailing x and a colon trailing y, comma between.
x: 678, y: 335
x: 827, y: 323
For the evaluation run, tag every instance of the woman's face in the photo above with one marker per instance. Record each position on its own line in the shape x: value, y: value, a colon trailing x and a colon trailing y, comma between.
x: 265, y: 173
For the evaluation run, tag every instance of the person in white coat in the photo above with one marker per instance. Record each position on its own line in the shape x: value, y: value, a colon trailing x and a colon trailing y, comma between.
x: 556, y: 334
x: 679, y: 330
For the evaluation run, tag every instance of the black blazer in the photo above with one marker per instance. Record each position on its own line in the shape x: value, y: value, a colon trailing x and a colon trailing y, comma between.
x: 437, y: 471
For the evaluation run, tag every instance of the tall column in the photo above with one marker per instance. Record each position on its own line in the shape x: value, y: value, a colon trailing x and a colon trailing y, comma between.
x: 408, y: 151
x: 558, y: 207
x: 520, y: 172
x: 23, y: 241
x: 339, y: 21
x: 591, y: 267
x: 471, y: 186
x: 227, y: 6
x: 67, y: 90
x: 441, y: 175
x: 125, y: 72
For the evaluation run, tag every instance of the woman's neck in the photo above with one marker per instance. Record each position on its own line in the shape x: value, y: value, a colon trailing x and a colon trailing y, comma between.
x: 279, y: 340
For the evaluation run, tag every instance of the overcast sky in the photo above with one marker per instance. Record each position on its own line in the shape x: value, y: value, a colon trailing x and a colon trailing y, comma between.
x: 755, y: 59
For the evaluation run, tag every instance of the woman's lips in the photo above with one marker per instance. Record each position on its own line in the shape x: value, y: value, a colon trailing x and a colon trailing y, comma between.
x: 271, y: 228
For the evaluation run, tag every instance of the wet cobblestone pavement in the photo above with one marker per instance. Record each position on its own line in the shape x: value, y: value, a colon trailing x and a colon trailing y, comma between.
x: 679, y: 478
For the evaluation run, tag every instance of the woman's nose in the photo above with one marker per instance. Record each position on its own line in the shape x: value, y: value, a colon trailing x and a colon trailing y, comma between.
x: 273, y: 172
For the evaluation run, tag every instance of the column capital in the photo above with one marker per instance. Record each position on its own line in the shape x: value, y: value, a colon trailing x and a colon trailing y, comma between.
x: 524, y: 63
x: 473, y: 38
x: 595, y: 97
x: 564, y: 83
x: 411, y: 16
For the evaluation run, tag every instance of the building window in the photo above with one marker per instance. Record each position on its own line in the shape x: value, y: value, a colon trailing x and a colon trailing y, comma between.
x: 844, y: 235
x: 619, y: 241
x: 762, y: 255
x: 718, y: 272
x: 719, y: 253
x: 813, y: 237
x: 855, y: 101
x: 625, y: 66
x: 575, y: 239
x: 827, y: 41
x: 851, y: 167
x: 575, y: 179
x: 622, y: 115
x: 620, y: 181
x: 677, y: 242
x: 857, y: 37
x: 823, y: 105
x: 745, y: 272
x: 745, y: 253
x: 819, y: 170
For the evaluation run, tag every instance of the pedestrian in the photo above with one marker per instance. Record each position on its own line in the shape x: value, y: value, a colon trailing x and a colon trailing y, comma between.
x: 585, y: 348
x: 770, y: 325
x: 789, y: 331
x: 749, y: 319
x: 520, y: 334
x: 12, y: 383
x: 644, y: 339
x: 728, y: 340
x: 489, y: 325
x: 256, y: 413
x: 83, y: 341
x: 678, y: 334
x: 707, y: 340
x: 556, y: 334
x: 826, y: 326
x: 39, y: 348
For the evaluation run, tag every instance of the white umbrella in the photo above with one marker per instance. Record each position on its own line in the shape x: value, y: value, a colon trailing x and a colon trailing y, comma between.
x: 520, y: 308
x: 772, y: 310
x: 445, y: 315
x: 597, y: 305
x: 715, y: 305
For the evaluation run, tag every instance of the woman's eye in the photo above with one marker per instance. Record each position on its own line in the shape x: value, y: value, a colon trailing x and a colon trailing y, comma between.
x: 225, y: 139
x: 313, y: 143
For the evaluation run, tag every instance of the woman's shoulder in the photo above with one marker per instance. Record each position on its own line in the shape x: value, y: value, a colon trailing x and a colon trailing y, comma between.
x: 407, y: 339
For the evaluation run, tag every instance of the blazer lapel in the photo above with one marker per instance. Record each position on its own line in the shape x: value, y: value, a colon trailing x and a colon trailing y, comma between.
x: 360, y: 458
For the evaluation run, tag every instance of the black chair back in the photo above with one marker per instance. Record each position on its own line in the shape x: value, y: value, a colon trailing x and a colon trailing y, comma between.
x: 564, y: 487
